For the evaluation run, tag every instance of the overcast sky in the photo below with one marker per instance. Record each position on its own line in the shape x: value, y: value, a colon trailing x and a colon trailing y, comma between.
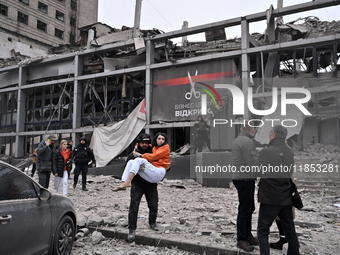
x: 169, y: 15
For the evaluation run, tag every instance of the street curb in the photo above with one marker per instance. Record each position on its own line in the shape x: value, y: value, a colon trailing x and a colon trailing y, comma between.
x: 165, y: 242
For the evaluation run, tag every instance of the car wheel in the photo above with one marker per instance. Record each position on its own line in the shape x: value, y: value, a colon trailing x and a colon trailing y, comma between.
x: 64, y: 236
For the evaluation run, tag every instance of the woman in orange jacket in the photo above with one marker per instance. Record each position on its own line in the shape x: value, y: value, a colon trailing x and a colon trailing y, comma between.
x: 155, y: 164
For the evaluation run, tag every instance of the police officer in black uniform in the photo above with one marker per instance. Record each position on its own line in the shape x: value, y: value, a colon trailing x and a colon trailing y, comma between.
x: 82, y: 156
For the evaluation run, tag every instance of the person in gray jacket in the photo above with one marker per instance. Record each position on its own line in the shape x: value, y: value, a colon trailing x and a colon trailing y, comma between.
x: 44, y: 160
x: 244, y: 155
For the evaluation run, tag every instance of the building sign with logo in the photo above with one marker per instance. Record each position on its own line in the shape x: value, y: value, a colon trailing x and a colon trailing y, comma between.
x: 180, y: 93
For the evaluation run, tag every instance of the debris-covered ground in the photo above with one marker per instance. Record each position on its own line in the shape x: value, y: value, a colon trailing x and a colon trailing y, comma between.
x: 195, y: 214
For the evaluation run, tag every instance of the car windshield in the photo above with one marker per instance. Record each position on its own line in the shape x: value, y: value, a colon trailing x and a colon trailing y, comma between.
x: 14, y: 185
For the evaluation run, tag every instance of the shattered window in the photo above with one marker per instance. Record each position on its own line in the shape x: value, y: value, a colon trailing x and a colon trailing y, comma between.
x: 49, y: 108
x: 41, y: 25
x: 23, y: 18
x: 73, y: 5
x: 42, y: 7
x: 59, y: 15
x: 59, y: 33
x: 24, y: 1
x: 72, y: 21
x: 3, y: 9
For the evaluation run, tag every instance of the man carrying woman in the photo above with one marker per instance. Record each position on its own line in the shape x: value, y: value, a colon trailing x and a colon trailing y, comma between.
x: 142, y: 174
x: 155, y: 164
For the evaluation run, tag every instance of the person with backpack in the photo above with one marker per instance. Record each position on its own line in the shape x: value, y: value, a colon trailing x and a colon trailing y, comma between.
x: 82, y: 156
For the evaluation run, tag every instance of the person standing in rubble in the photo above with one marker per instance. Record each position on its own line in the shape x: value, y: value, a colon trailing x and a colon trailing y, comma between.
x: 61, y: 165
x: 202, y: 133
x: 44, y: 160
x: 274, y: 194
x: 82, y: 156
x: 140, y: 187
x: 244, y: 154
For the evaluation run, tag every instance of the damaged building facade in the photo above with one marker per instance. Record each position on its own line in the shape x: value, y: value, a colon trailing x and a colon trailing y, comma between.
x: 31, y: 27
x: 71, y: 94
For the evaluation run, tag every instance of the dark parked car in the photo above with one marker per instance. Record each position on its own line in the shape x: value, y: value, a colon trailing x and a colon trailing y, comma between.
x: 32, y: 220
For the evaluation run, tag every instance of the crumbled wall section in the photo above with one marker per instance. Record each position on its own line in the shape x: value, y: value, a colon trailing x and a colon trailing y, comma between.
x: 21, y: 46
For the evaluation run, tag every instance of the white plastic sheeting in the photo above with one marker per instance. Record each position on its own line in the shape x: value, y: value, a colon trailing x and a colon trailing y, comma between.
x: 108, y: 142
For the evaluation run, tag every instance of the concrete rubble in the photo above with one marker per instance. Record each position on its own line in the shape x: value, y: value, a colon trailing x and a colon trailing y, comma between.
x: 193, y: 214
x: 302, y: 28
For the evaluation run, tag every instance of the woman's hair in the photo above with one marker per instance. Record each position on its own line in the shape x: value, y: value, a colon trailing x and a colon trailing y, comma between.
x: 63, y: 141
x: 154, y: 140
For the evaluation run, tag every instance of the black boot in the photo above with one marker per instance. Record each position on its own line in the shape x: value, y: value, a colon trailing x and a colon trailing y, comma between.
x: 131, y: 236
x: 279, y: 244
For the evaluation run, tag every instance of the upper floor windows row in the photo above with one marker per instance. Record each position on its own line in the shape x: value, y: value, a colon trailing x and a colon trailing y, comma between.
x: 24, y: 1
x: 3, y: 9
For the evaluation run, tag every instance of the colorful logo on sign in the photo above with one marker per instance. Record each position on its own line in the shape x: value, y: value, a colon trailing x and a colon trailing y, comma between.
x: 197, y: 94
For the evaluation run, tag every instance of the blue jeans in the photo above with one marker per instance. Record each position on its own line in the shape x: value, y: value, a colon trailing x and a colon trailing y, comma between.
x: 246, y: 207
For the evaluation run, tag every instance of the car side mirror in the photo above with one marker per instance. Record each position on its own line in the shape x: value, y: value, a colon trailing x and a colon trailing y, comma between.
x: 44, y: 194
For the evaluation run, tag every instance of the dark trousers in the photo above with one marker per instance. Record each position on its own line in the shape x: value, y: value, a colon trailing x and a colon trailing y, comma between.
x: 83, y: 169
x: 34, y: 167
x: 44, y: 178
x: 267, y: 215
x: 202, y: 136
x: 246, y: 207
x: 138, y: 189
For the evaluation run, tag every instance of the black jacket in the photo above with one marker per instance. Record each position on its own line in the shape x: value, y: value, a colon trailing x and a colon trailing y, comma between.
x: 59, y: 163
x: 83, y: 161
x: 137, y: 179
x: 141, y: 151
x: 275, y: 187
x: 44, y: 157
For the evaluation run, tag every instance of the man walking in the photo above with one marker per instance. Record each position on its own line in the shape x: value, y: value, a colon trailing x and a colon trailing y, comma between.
x: 274, y: 193
x: 44, y: 160
x: 244, y: 154
x: 140, y: 187
x: 82, y: 155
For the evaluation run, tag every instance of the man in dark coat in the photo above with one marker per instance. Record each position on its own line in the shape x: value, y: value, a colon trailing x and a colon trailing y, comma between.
x: 142, y: 187
x: 82, y: 156
x: 44, y: 160
x: 276, y: 164
x: 244, y: 155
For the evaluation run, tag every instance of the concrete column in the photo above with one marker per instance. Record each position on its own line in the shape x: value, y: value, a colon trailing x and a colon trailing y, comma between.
x: 185, y: 38
x: 245, y: 64
x: 77, y: 98
x: 150, y: 52
x: 138, y: 13
x: 20, y: 126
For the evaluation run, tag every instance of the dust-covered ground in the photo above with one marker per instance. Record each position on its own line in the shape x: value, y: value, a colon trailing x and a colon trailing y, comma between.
x: 192, y: 211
